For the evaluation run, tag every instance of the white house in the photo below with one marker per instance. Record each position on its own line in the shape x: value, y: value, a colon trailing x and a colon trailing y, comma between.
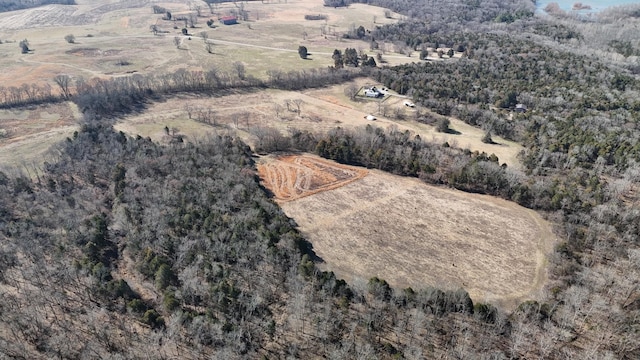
x: 372, y: 92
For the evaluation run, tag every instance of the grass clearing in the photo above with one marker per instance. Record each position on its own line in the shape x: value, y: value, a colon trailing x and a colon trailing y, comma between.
x: 110, y: 33
x: 32, y: 149
x: 31, y: 132
x: 413, y: 234
x: 321, y: 110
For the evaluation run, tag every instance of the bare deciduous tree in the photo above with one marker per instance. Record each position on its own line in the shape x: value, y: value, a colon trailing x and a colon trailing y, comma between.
x: 351, y: 91
x: 192, y: 20
x: 277, y: 108
x: 297, y: 103
x: 189, y: 108
x: 63, y: 81
x: 239, y: 69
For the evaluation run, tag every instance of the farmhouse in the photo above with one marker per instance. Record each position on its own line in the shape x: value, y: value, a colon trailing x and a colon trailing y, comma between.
x: 228, y: 20
x: 372, y: 92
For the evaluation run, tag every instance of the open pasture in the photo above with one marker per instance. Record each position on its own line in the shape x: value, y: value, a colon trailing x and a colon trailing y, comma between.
x: 114, y: 38
x: 417, y: 235
x: 27, y: 134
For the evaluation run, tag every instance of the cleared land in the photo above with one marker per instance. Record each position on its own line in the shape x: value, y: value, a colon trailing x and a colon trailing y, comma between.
x: 29, y: 133
x: 320, y: 110
x: 243, y: 112
x: 293, y: 177
x: 413, y: 234
x: 114, y: 38
x: 112, y: 33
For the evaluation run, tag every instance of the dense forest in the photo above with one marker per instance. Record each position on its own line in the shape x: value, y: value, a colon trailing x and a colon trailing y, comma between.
x: 120, y: 247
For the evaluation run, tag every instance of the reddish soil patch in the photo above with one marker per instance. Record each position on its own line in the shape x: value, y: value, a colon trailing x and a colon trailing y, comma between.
x: 295, y: 176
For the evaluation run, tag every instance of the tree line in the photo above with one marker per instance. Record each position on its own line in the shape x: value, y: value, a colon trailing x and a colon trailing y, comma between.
x: 117, y: 96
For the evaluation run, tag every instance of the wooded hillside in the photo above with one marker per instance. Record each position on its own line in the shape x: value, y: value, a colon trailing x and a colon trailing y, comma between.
x: 125, y: 248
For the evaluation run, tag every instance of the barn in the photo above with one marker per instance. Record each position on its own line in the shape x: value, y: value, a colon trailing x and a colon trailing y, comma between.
x: 228, y: 20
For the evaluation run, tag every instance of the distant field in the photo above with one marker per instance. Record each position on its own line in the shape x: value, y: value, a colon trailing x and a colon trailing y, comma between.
x: 110, y: 32
x: 413, y: 234
x: 113, y: 38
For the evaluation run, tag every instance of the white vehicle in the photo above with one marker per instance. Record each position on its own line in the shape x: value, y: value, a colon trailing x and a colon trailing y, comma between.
x: 409, y: 103
x: 370, y: 117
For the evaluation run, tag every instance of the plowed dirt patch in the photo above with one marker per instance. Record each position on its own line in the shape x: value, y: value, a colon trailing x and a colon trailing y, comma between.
x: 295, y: 176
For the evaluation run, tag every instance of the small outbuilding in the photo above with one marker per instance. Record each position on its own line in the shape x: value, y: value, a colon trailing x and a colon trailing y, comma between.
x: 228, y: 20
x: 521, y: 108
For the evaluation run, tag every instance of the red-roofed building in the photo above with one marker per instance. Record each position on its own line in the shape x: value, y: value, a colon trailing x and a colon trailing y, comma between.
x: 229, y: 20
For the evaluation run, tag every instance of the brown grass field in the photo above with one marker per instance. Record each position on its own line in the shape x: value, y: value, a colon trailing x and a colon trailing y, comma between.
x: 413, y: 234
x: 112, y: 32
x: 109, y: 31
x: 30, y: 133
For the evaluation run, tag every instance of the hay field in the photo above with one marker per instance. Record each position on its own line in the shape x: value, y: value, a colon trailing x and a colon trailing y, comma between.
x: 413, y: 234
x: 110, y: 33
